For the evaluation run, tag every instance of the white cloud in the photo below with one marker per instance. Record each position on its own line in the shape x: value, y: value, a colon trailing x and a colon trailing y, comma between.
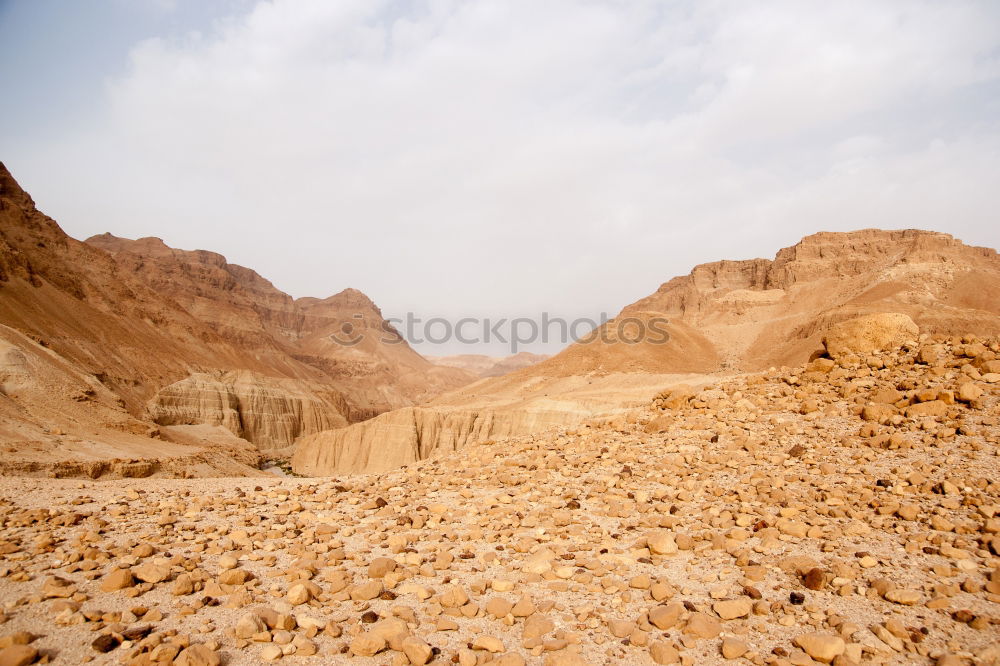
x: 508, y: 157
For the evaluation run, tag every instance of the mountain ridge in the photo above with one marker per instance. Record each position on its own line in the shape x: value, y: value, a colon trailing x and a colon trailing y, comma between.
x: 723, y: 318
x: 134, y: 344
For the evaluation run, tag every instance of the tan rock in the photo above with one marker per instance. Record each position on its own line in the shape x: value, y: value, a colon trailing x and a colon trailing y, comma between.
x: 152, y: 571
x: 969, y: 392
x: 869, y: 333
x: 536, y: 626
x: 248, y: 625
x: 234, y: 577
x: 732, y: 609
x: 930, y: 408
x: 18, y: 655
x: 661, y: 542
x: 537, y: 564
x: 702, y: 626
x: 198, y: 655
x: 666, y: 616
x: 662, y: 652
x: 903, y: 596
x: 367, y: 645
x: 417, y: 650
x: 499, y: 607
x: 620, y: 628
x: 488, y: 643
x: 523, y: 608
x: 271, y: 652
x: 298, y: 594
x: 380, y: 566
x: 454, y: 597
x: 733, y: 648
x: 118, y: 579
x: 393, y: 630
x: 182, y: 585
x: 367, y: 591
x: 821, y: 647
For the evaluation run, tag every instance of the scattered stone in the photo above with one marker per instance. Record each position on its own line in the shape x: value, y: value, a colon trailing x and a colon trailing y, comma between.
x: 821, y: 647
x: 661, y: 543
x: 198, y: 655
x: 152, y: 572
x: 367, y: 644
x: 417, y: 650
x: 105, y: 643
x: 298, y: 594
x: 733, y: 648
x: 18, y: 655
x: 663, y: 653
x: 735, y: 608
x: 702, y: 626
x: 904, y: 597
x: 118, y: 579
x: 789, y: 503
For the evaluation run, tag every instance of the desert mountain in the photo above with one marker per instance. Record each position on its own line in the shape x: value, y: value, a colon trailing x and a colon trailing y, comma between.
x: 115, y: 350
x: 376, y: 370
x: 482, y: 365
x: 723, y: 318
x: 754, y: 314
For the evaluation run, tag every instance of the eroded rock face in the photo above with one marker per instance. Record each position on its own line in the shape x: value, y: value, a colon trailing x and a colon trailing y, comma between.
x: 414, y: 433
x: 270, y: 412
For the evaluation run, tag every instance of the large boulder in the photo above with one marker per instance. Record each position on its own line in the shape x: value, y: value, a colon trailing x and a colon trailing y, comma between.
x: 869, y: 333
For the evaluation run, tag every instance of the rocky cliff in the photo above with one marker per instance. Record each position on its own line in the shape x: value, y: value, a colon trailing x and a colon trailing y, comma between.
x: 270, y: 412
x: 415, y: 433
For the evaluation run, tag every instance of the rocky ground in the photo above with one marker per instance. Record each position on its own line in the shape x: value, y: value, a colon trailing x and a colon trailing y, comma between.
x: 843, y: 512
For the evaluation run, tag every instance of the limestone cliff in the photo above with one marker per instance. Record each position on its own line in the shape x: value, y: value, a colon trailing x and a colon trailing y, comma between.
x: 415, y: 433
x: 760, y: 313
x: 749, y: 315
x: 270, y: 412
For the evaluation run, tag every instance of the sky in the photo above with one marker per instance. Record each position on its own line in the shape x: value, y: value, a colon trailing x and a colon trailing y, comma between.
x: 501, y: 159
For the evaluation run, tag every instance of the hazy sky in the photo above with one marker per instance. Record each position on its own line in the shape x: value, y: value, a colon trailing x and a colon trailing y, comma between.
x: 501, y: 158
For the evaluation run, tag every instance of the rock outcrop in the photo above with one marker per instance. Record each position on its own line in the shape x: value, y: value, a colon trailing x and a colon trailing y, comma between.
x: 863, y: 335
x: 270, y: 412
x: 415, y: 433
